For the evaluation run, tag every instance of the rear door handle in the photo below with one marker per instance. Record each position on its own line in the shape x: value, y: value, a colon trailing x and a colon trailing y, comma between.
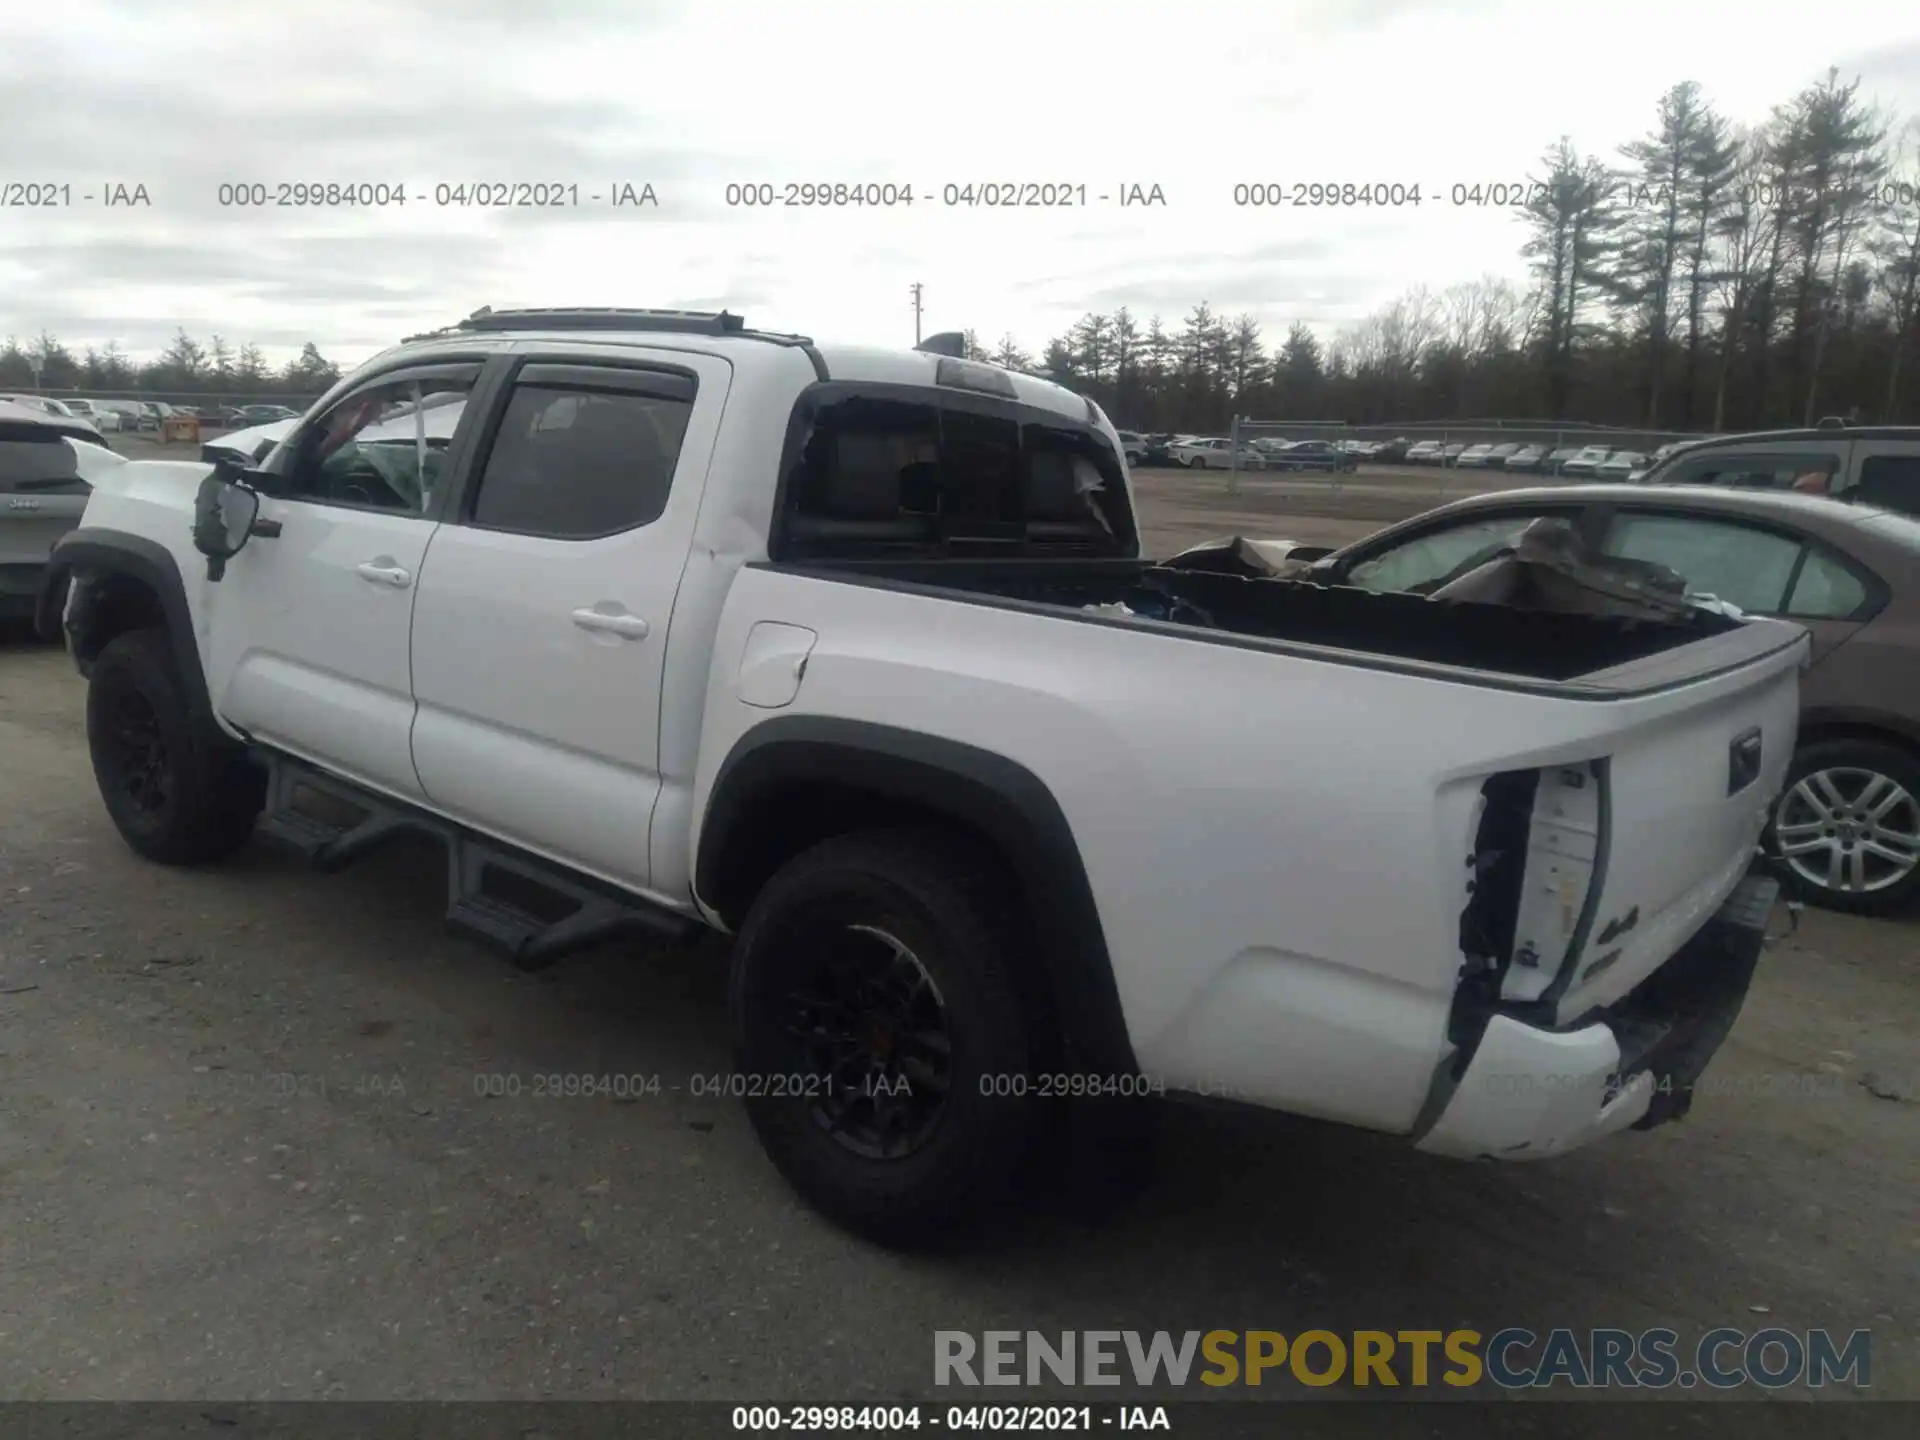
x: 629, y: 627
x: 384, y: 574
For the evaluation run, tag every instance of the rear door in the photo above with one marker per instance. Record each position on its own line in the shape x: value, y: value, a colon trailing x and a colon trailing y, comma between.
x: 41, y: 498
x: 540, y: 629
x: 1762, y: 569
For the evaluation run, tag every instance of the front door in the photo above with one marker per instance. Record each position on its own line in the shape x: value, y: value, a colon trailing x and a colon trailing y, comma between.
x: 308, y: 646
x: 541, y: 628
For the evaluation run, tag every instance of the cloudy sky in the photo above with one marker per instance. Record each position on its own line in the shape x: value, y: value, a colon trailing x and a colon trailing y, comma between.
x: 183, y: 96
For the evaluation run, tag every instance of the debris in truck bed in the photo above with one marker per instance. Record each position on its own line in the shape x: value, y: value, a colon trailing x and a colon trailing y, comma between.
x: 1242, y: 555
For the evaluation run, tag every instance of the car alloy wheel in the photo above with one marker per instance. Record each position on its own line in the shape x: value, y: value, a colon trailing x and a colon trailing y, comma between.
x: 871, y: 1023
x: 136, y: 748
x: 1849, y: 830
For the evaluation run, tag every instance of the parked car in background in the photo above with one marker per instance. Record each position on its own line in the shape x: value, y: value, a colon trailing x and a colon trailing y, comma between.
x: 1391, y: 452
x: 1159, y: 451
x: 1527, y: 457
x: 1878, y: 464
x: 1132, y: 444
x: 1557, y: 459
x: 1450, y: 454
x: 1621, y: 465
x: 42, y: 496
x: 1585, y: 460
x: 132, y: 413
x: 1312, y: 455
x: 1423, y: 452
x: 1215, y: 453
x: 95, y: 413
x: 1846, y: 831
x: 1498, y: 456
x: 219, y: 416
x: 267, y: 414
x: 46, y: 405
x: 1473, y: 457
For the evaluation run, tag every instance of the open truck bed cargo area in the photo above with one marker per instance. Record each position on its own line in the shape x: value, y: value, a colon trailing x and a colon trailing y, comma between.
x: 1496, y: 644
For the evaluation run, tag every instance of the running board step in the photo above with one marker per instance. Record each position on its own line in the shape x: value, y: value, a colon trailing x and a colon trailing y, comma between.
x: 592, y: 912
x: 528, y: 940
x: 327, y: 844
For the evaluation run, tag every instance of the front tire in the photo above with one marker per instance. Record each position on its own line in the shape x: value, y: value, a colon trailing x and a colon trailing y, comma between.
x: 178, y: 791
x: 1846, y: 833
x: 870, y: 960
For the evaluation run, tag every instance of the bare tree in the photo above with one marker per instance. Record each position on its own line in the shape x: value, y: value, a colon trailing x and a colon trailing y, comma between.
x: 1896, y: 249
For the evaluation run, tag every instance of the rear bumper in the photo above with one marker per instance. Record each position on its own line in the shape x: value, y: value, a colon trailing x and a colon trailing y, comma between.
x: 20, y: 589
x: 1529, y: 1092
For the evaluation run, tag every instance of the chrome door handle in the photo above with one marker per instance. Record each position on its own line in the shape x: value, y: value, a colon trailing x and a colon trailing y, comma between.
x: 384, y: 575
x: 630, y: 627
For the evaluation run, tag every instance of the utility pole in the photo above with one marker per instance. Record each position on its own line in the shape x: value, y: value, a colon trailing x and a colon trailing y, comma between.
x: 916, y: 312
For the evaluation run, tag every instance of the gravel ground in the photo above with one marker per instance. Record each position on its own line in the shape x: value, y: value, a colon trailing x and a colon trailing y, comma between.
x: 244, y: 1153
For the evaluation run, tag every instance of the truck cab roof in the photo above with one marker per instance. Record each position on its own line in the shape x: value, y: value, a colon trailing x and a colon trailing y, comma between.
x: 729, y: 337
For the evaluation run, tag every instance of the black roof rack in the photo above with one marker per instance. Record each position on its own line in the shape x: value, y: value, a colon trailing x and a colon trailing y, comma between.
x: 684, y: 322
x: 614, y: 320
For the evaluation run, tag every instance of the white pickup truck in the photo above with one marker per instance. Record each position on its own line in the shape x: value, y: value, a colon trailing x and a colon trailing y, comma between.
x: 664, y: 623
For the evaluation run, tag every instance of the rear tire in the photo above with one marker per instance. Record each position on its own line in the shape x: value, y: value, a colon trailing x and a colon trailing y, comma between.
x: 1849, y: 780
x: 875, y: 957
x: 178, y: 791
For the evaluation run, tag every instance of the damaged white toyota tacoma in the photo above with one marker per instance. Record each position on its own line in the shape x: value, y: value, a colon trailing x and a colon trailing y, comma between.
x: 666, y: 624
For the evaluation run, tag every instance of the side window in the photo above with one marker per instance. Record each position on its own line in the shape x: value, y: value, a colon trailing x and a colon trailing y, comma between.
x: 1735, y: 563
x: 1891, y: 481
x: 1826, y: 590
x: 576, y: 463
x: 1811, y: 473
x: 381, y: 448
x: 1424, y: 564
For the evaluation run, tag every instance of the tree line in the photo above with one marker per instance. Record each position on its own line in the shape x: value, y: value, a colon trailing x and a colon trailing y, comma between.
x: 1708, y: 275
x: 185, y: 367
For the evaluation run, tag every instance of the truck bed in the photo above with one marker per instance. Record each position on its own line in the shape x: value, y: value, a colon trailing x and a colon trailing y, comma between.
x: 1492, y: 644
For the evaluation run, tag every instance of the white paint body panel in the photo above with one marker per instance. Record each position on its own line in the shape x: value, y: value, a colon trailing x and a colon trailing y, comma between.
x: 1276, y: 841
x: 532, y: 725
x: 1276, y: 844
x: 310, y: 655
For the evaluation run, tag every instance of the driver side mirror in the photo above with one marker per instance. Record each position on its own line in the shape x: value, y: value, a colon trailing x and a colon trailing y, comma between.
x: 226, y: 514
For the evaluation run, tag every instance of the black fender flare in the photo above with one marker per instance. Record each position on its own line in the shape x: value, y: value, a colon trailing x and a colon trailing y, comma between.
x: 991, y: 794
x: 102, y: 551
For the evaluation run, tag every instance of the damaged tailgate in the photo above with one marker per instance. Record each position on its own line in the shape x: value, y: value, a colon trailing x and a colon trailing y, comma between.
x: 1592, y: 876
